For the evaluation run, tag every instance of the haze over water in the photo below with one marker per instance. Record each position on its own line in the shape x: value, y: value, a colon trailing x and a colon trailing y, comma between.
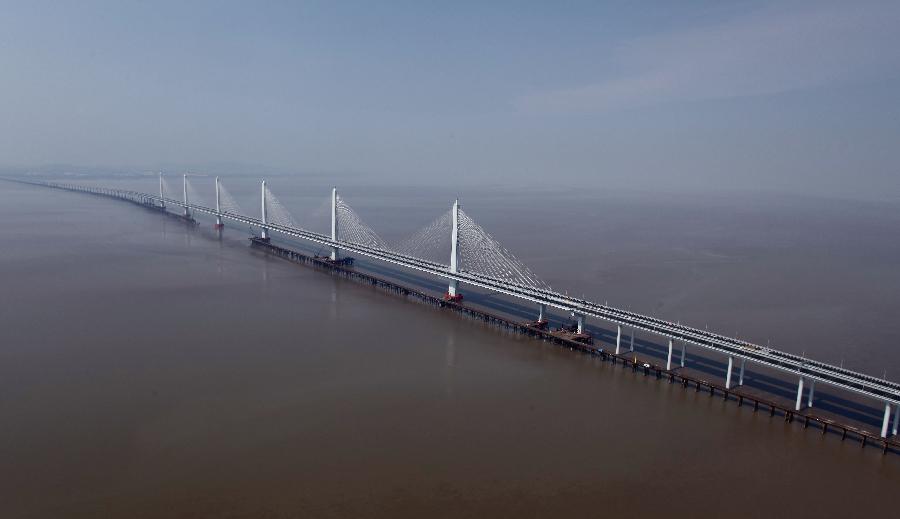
x: 148, y: 369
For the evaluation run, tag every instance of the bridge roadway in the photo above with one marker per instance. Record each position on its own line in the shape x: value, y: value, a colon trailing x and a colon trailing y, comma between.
x: 860, y: 383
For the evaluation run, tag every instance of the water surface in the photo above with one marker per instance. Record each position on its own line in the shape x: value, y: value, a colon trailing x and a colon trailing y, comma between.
x: 152, y: 370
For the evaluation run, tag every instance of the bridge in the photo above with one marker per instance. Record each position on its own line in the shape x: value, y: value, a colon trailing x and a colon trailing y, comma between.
x: 477, y: 259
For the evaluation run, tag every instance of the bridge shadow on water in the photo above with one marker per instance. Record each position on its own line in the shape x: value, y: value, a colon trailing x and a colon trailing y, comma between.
x: 767, y: 385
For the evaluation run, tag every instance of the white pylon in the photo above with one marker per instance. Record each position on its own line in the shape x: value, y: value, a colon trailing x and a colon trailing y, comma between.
x: 334, y: 223
x: 161, y: 193
x: 187, y: 212
x: 219, y: 223
x: 264, y: 233
x: 454, y: 250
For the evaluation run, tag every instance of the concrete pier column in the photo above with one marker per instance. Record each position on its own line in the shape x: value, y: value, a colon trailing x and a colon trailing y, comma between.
x: 187, y: 212
x: 812, y: 389
x: 886, y: 421
x: 335, y: 253
x: 618, y: 338
x: 669, y: 358
x: 454, y: 246
x: 264, y: 233
x: 631, y: 348
x: 741, y: 373
x: 728, y: 373
x: 683, y: 345
x: 542, y: 312
x: 799, y: 395
x: 896, y: 421
x: 580, y: 320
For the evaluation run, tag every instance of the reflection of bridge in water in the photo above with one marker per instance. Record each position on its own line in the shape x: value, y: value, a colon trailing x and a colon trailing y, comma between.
x: 477, y: 259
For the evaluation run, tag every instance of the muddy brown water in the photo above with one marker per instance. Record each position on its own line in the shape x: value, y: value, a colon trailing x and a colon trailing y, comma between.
x: 152, y: 370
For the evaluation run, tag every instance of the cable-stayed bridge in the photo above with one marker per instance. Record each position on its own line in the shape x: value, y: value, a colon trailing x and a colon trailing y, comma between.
x: 477, y: 259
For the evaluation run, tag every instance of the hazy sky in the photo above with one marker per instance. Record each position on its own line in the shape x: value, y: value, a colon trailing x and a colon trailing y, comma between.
x: 677, y: 95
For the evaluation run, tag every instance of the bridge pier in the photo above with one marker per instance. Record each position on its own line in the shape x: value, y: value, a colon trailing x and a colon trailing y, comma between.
x: 886, y: 421
x: 799, y: 395
x: 631, y: 348
x: 683, y: 345
x: 618, y: 338
x: 728, y: 373
x: 741, y: 373
x: 812, y: 390
x: 579, y: 319
x: 896, y: 421
x: 542, y: 313
x: 669, y: 358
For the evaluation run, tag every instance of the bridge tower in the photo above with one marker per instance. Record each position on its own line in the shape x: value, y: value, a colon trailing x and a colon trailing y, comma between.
x: 264, y: 232
x: 219, y: 223
x: 187, y: 212
x: 335, y: 253
x: 453, y: 289
x: 162, y: 194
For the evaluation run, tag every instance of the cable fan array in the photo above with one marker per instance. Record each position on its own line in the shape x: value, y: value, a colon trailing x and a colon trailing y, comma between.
x: 481, y: 253
x: 431, y: 243
x: 193, y: 196
x: 277, y: 213
x: 166, y: 189
x: 227, y: 203
x: 352, y: 229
